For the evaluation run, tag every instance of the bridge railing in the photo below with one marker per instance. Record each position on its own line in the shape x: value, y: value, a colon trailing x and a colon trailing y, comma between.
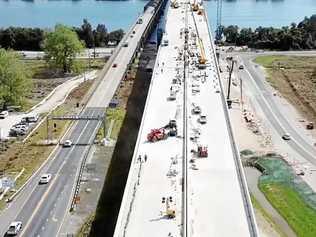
x: 240, y: 172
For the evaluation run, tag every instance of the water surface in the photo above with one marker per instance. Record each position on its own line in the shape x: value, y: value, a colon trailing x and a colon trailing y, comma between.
x: 121, y: 14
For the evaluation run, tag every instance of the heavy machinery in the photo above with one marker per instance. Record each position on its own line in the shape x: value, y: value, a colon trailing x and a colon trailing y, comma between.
x: 202, y: 58
x: 157, y: 134
x: 202, y: 151
x: 310, y: 126
x: 174, y: 4
x: 195, y: 6
x: 170, y: 212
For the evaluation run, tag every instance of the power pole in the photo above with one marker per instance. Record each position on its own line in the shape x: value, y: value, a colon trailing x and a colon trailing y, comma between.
x: 241, y: 97
x: 229, y: 101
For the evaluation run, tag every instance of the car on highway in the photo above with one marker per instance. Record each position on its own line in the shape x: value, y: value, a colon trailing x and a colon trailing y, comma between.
x: 14, y: 228
x: 114, y: 65
x: 67, y: 143
x: 45, y: 178
x: 286, y: 137
x: 196, y: 110
x: 202, y: 119
x: 241, y: 67
x: 4, y: 114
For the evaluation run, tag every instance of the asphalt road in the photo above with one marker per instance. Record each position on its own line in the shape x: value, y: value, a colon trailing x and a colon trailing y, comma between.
x: 43, y: 211
x: 42, y: 208
x: 264, y: 97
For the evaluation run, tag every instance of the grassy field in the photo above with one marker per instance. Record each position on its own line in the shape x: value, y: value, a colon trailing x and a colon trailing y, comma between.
x: 288, y: 194
x: 256, y: 205
x: 31, y: 154
x: 295, y: 78
x: 292, y: 207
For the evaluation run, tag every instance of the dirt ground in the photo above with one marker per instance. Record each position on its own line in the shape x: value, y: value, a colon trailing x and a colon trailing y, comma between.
x: 295, y: 78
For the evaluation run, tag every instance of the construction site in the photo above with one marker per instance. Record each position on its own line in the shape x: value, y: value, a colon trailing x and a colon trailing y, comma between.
x: 185, y: 176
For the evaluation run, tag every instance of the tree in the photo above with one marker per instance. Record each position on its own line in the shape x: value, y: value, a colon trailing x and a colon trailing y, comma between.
x: 87, y: 34
x: 101, y: 36
x: 116, y: 35
x: 15, y: 81
x: 61, y: 48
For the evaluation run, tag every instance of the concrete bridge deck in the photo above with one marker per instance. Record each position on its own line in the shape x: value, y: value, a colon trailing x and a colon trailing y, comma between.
x: 209, y: 195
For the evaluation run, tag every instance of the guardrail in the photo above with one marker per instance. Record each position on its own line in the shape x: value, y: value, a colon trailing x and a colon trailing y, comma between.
x: 241, y: 176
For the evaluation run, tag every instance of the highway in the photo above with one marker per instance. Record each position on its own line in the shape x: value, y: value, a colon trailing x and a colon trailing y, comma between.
x: 42, y: 208
x: 278, y: 120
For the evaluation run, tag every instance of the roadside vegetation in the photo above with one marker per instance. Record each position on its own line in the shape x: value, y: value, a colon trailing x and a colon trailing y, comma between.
x: 15, y: 79
x: 14, y: 156
x: 288, y: 194
x: 296, y: 36
x: 295, y: 78
x: 19, y: 38
x: 291, y: 206
x: 257, y: 206
x: 61, y: 47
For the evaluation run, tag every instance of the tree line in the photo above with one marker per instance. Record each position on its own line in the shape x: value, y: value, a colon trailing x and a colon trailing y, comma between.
x: 20, y: 38
x: 294, y: 37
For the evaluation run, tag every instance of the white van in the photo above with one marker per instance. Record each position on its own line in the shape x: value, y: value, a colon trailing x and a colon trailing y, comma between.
x: 4, y: 114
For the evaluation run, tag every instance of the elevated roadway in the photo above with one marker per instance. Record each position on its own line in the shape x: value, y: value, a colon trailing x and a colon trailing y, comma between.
x: 42, y: 208
x: 207, y: 196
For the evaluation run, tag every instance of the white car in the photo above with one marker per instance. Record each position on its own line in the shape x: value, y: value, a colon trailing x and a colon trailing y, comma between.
x: 202, y: 119
x: 67, y: 143
x: 14, y: 228
x: 4, y: 114
x: 45, y: 178
x: 286, y: 136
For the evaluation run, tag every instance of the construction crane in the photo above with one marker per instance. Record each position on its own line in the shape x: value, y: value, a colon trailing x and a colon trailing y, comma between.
x: 219, y: 28
x: 202, y: 58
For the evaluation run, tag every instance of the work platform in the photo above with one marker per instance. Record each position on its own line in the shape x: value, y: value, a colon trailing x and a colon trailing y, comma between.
x: 170, y: 190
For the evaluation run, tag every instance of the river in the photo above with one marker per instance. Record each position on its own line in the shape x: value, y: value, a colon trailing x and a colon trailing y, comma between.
x: 121, y: 14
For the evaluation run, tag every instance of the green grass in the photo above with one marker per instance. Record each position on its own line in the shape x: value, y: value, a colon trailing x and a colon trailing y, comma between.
x: 268, y: 61
x: 300, y: 216
x: 266, y: 215
x: 117, y: 115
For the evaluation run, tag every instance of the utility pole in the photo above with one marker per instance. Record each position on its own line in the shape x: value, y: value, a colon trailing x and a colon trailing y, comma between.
x: 229, y: 101
x: 241, y: 97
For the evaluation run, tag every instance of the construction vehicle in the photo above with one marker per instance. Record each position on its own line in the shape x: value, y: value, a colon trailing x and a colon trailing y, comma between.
x: 172, y: 126
x: 157, y: 134
x: 200, y: 11
x: 202, y: 151
x: 195, y: 6
x: 170, y: 213
x: 202, y: 58
x: 174, y: 4
x: 310, y: 126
